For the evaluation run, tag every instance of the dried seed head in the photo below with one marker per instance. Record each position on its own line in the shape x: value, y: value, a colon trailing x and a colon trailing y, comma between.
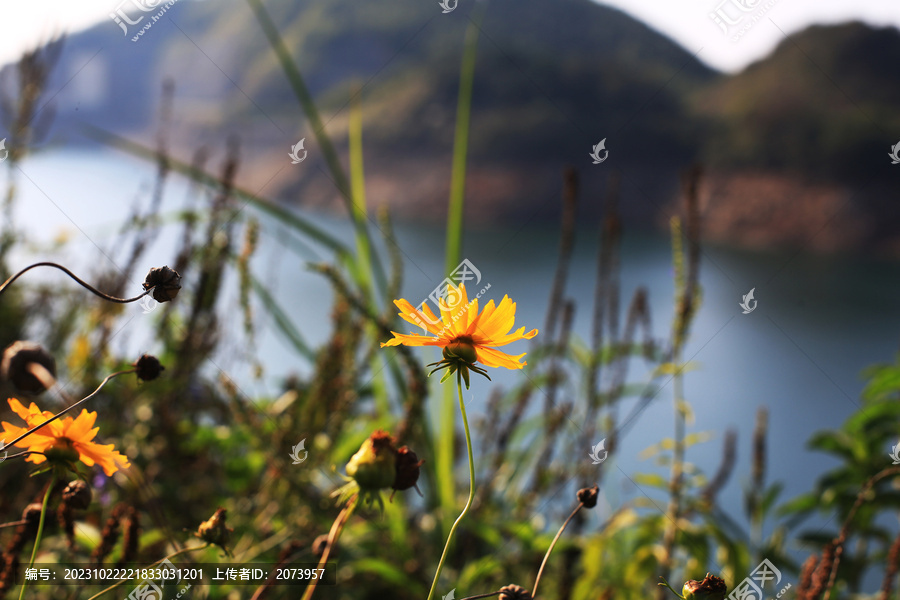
x: 319, y: 544
x: 77, y: 494
x: 148, y: 367
x: 406, y: 469
x: 164, y: 282
x: 588, y: 496
x: 514, y: 592
x: 373, y: 465
x: 711, y: 588
x: 16, y: 359
x: 214, y: 530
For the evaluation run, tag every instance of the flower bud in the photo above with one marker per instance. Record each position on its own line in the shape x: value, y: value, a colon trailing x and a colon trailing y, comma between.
x: 588, y: 496
x: 164, y: 282
x: 711, y: 588
x: 406, y: 469
x: 77, y: 494
x: 373, y: 465
x: 148, y: 367
x: 16, y: 359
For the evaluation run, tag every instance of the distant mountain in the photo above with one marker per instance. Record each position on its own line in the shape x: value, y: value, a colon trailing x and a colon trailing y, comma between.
x: 800, y: 143
x: 823, y: 104
x: 552, y: 79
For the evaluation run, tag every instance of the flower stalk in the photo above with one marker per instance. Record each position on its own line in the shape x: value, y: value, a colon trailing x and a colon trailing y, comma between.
x: 40, y: 531
x: 333, y: 536
x: 81, y: 282
x: 462, y: 409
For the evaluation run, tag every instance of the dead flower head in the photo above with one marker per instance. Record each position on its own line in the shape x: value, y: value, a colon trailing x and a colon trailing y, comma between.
x: 164, y: 282
x: 214, y: 531
x: 711, y: 588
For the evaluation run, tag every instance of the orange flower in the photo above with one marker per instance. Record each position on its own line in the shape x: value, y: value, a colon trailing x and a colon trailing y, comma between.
x: 65, y: 437
x: 465, y: 334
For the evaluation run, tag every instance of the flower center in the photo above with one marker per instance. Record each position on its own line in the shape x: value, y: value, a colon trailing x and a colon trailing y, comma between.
x: 462, y: 348
x: 63, y: 450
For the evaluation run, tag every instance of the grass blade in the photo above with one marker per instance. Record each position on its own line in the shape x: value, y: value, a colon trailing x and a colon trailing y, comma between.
x: 444, y: 449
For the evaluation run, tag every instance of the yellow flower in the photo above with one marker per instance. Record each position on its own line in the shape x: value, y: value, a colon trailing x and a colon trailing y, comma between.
x: 465, y: 334
x: 65, y: 438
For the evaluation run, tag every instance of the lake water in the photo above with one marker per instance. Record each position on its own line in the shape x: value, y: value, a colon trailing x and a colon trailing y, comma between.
x: 818, y: 323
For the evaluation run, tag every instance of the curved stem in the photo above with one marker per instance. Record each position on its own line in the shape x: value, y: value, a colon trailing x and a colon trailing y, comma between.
x: 550, y: 549
x: 83, y: 284
x: 488, y: 595
x: 20, y: 455
x: 65, y: 410
x: 462, y: 409
x: 333, y: 535
x: 173, y: 555
x: 40, y: 531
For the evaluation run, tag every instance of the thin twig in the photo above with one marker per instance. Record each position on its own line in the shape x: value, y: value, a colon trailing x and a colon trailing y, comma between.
x: 83, y: 284
x: 336, y: 528
x: 550, y: 549
x: 488, y: 595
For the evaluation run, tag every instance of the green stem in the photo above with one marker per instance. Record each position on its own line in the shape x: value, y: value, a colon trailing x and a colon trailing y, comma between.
x: 462, y: 409
x: 40, y: 531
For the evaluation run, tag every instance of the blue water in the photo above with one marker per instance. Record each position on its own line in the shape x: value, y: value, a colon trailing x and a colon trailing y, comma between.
x: 819, y: 320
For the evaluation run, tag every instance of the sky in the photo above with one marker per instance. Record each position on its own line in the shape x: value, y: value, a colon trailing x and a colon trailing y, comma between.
x: 23, y: 23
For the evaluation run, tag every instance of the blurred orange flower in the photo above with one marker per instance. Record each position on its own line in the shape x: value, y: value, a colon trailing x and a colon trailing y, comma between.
x: 66, y: 438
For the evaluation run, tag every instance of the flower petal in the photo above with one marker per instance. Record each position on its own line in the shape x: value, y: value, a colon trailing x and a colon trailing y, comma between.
x: 413, y: 339
x: 82, y: 428
x: 495, y: 358
x: 420, y: 318
x: 105, y: 456
x: 500, y: 322
x: 519, y: 334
